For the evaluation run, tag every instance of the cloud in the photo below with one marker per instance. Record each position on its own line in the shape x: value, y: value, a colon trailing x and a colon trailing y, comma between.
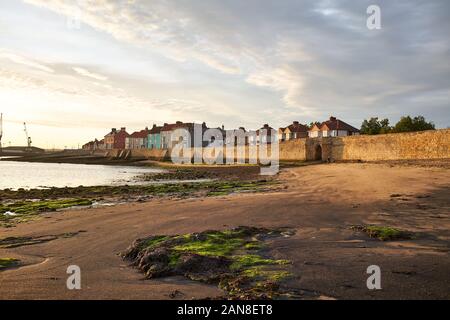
x: 89, y: 74
x: 317, y: 55
x: 22, y: 60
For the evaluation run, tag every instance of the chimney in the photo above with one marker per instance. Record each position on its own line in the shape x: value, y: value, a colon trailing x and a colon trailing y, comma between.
x: 204, y: 124
x: 296, y: 123
x: 123, y: 129
x: 154, y: 126
x: 179, y: 122
x: 332, y: 118
x: 223, y: 127
x: 166, y: 124
x: 113, y: 130
x: 266, y: 126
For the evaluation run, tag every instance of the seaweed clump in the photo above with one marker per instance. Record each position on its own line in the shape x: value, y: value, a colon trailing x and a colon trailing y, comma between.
x: 235, y: 260
x: 383, y: 233
x: 8, y: 263
x: 22, y: 211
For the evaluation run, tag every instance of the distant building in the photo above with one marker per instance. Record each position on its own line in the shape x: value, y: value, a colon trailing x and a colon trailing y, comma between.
x: 154, y: 138
x: 101, y: 144
x: 294, y: 131
x: 137, y: 140
x: 332, y: 128
x: 234, y: 139
x: 116, y: 139
x: 264, y: 135
x: 88, y: 146
x: 168, y: 130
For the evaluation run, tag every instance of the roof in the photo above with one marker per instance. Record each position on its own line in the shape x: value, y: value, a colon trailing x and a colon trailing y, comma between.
x: 155, y: 130
x: 140, y: 134
x: 336, y: 124
x: 266, y: 127
x: 177, y: 125
x: 295, y: 127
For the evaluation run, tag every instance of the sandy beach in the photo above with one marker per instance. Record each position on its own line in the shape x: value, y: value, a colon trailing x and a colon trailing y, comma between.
x: 320, y: 202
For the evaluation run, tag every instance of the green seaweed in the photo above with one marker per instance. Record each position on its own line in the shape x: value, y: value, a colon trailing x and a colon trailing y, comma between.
x: 8, y: 263
x: 31, y: 207
x: 27, y: 210
x: 384, y: 233
x: 257, y: 273
x: 153, y: 242
x: 251, y: 260
x: 213, y: 246
x: 210, y: 187
x: 231, y: 258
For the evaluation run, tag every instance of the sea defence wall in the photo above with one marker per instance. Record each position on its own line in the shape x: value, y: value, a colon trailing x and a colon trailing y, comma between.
x: 433, y: 144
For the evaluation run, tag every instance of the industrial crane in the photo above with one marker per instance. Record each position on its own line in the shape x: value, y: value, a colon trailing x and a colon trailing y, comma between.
x: 27, y: 136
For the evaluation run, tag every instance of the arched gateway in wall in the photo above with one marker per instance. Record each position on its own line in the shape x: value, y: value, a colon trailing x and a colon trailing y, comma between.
x: 318, y: 152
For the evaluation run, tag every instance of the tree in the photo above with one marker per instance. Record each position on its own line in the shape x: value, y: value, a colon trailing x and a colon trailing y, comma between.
x: 313, y: 123
x: 375, y: 126
x: 408, y: 124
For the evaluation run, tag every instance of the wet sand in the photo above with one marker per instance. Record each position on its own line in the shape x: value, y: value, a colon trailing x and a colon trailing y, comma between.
x: 320, y: 202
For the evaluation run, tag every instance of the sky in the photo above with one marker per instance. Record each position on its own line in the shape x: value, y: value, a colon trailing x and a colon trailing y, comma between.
x: 74, y: 69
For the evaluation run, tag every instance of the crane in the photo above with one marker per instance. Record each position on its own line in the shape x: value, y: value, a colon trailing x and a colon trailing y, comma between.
x: 1, y: 130
x: 27, y: 136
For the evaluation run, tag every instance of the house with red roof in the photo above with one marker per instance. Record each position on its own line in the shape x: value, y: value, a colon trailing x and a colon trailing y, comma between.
x: 116, y: 139
x: 332, y: 128
x: 137, y: 140
x: 167, y: 134
x: 154, y: 137
x: 296, y: 130
x: 264, y: 135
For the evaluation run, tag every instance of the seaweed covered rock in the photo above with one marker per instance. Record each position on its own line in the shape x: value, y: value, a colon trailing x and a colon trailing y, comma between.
x: 234, y: 259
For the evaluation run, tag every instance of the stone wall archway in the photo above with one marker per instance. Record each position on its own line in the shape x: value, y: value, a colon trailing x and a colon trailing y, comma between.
x: 318, y: 152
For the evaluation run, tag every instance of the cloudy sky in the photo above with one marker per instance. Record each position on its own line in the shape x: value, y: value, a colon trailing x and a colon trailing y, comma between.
x: 74, y: 69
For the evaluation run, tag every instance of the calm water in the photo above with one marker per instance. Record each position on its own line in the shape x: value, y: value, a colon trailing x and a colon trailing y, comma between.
x: 27, y: 175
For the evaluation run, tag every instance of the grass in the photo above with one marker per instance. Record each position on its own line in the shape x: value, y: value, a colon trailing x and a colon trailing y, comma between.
x: 8, y: 262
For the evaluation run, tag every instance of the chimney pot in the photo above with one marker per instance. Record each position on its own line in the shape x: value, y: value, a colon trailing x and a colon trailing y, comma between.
x: 332, y: 118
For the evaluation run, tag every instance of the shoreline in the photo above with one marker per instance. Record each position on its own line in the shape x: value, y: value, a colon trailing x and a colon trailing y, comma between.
x: 410, y: 199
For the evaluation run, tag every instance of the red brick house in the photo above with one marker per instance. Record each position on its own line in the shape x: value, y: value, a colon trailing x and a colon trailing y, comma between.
x: 116, y: 139
x: 137, y: 140
x: 332, y: 128
x: 294, y: 131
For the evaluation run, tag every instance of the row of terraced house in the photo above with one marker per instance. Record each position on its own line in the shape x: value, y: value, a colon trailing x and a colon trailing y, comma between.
x: 159, y: 137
